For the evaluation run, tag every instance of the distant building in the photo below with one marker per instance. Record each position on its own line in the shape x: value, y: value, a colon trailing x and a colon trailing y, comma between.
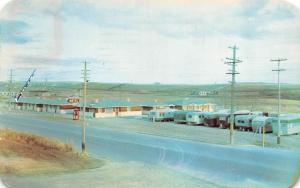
x: 208, y: 93
x: 6, y: 93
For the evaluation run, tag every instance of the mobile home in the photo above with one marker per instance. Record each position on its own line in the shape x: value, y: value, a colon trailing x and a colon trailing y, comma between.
x: 289, y: 123
x: 262, y: 121
x: 224, y: 117
x: 211, y: 119
x: 162, y: 115
x: 180, y: 116
x: 195, y: 118
x: 244, y: 122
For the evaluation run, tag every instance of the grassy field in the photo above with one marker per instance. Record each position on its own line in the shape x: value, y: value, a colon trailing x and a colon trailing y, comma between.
x: 26, y: 154
x: 252, y: 96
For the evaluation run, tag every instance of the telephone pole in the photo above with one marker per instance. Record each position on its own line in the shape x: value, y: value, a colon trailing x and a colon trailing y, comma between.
x: 10, y: 88
x: 10, y: 84
x: 278, y: 70
x: 85, y: 80
x: 232, y: 62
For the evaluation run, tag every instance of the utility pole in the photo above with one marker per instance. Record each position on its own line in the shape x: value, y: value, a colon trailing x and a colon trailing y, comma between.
x: 232, y: 62
x: 10, y: 84
x: 278, y: 70
x: 85, y: 80
x: 10, y: 88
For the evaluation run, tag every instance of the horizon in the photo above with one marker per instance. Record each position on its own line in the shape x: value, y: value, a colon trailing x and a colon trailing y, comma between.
x: 156, y: 84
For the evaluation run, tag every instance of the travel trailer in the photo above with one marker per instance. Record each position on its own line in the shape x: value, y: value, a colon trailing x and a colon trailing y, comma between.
x: 195, y: 118
x: 244, y: 122
x: 262, y: 121
x: 289, y: 123
x: 211, y: 119
x: 180, y: 116
x: 162, y: 115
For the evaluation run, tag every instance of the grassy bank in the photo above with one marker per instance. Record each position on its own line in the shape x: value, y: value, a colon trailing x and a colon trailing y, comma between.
x: 26, y: 154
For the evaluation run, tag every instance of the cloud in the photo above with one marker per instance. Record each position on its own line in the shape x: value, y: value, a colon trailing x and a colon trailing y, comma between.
x: 165, y: 42
x: 253, y: 18
x: 12, y: 31
x: 246, y: 19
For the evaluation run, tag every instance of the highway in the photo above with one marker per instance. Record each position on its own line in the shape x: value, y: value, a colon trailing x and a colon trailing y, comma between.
x: 270, y: 167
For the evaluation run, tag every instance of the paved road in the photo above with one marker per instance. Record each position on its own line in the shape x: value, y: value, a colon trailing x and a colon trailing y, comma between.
x: 271, y: 167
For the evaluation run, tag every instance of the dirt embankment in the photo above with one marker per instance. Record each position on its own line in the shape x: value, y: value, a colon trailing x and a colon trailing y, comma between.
x: 24, y: 154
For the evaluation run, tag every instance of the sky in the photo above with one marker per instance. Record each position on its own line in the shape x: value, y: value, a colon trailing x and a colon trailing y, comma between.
x: 143, y: 41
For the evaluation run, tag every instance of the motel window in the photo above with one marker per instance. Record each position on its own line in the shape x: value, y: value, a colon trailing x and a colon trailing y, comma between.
x: 109, y: 110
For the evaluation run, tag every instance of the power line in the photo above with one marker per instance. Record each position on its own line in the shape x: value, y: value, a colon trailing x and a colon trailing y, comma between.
x: 232, y: 63
x: 278, y: 70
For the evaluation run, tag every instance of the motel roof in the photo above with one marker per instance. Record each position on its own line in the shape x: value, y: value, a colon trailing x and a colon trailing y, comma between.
x: 108, y: 103
x: 185, y: 102
x: 153, y: 103
x: 42, y: 101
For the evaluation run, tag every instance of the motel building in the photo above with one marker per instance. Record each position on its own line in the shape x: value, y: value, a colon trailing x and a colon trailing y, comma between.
x: 43, y: 105
x: 191, y: 104
x: 111, y: 108
x: 106, y: 107
x: 153, y: 105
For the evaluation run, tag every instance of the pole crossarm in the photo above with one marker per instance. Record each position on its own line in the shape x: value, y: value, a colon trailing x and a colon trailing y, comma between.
x: 279, y: 59
x: 278, y: 70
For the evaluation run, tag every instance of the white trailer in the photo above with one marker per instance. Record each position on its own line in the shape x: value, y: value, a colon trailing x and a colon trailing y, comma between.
x: 289, y: 123
x: 244, y: 122
x: 161, y: 115
x: 195, y: 118
x: 262, y: 121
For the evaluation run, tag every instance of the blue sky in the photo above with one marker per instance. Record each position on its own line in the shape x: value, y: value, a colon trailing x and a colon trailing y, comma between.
x: 143, y: 41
